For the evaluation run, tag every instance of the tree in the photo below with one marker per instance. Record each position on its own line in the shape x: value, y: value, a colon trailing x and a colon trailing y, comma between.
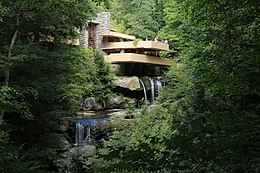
x: 53, y: 81
x: 42, y: 78
x: 2, y: 9
x: 213, y: 105
x: 141, y: 18
x: 219, y: 54
x: 32, y: 21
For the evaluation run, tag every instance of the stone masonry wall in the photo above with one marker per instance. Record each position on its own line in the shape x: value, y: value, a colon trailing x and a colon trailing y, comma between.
x: 84, y: 36
x: 102, y: 28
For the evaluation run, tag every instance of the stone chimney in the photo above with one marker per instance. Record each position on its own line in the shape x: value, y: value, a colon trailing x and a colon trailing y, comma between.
x: 102, y: 26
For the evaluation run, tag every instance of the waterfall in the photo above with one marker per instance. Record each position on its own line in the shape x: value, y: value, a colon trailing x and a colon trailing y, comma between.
x: 79, y: 133
x: 155, y: 87
x: 152, y: 89
x: 159, y: 87
x: 142, y: 83
x: 82, y: 137
x: 88, y: 137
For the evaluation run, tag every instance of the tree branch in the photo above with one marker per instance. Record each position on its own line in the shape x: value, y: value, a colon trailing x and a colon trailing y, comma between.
x: 7, y: 71
x: 8, y: 63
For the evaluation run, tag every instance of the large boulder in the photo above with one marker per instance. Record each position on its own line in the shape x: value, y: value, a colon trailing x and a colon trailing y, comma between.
x: 100, y: 106
x: 119, y: 69
x: 128, y: 82
x: 78, y: 155
x: 117, y: 102
x: 81, y: 151
x: 64, y: 144
x: 89, y: 103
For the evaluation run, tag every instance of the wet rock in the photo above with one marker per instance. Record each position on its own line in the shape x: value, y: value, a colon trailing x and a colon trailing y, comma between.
x: 119, y: 69
x: 131, y: 83
x: 100, y: 106
x: 120, y: 118
x: 121, y: 113
x: 109, y: 111
x: 87, y: 150
x: 64, y: 144
x: 62, y: 128
x: 117, y: 102
x: 83, y: 114
x: 79, y: 154
x: 89, y: 103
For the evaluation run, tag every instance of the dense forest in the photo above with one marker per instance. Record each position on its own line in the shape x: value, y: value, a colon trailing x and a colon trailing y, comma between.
x: 207, y: 120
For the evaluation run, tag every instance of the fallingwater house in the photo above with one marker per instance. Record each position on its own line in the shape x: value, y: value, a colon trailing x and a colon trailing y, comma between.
x: 138, y: 63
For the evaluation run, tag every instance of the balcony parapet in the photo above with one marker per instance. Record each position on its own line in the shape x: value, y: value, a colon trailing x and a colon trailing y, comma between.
x: 118, y: 35
x: 137, y: 58
x: 149, y: 45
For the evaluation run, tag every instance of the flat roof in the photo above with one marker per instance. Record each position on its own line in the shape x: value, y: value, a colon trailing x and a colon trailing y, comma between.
x: 93, y: 21
x: 118, y: 35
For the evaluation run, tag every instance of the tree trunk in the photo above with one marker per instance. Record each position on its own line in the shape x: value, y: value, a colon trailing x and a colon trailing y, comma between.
x: 7, y: 71
x: 8, y: 63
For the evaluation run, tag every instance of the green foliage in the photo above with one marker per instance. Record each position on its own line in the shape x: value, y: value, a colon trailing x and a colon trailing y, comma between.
x: 208, y: 120
x: 47, y: 80
x: 140, y: 18
x: 135, y: 146
x: 2, y: 10
x: 59, y: 78
x: 50, y: 83
x: 103, y: 78
x: 102, y: 5
x: 12, y: 157
x: 119, y: 26
x: 173, y: 20
x: 45, y: 19
x: 136, y: 41
x: 220, y: 56
x: 12, y: 101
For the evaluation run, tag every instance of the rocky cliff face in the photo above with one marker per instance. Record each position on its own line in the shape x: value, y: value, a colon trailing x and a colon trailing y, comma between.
x: 114, y: 102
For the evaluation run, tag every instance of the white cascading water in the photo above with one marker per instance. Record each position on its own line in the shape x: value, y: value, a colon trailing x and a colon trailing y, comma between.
x: 88, y: 137
x: 83, y: 130
x: 79, y: 133
x: 158, y: 86
x: 142, y: 83
x: 152, y: 89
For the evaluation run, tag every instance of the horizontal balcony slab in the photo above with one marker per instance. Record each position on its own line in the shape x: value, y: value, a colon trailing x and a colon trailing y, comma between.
x: 137, y: 58
x: 149, y: 45
x: 118, y: 35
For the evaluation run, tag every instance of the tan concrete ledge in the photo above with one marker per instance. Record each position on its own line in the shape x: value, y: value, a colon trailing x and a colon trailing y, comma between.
x: 137, y: 58
x: 149, y: 45
x: 118, y: 35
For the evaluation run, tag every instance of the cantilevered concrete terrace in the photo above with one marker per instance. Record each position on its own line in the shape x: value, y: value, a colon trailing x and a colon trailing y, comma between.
x: 113, y: 34
x: 137, y: 58
x: 146, y: 52
x: 131, y: 57
x: 150, y: 45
